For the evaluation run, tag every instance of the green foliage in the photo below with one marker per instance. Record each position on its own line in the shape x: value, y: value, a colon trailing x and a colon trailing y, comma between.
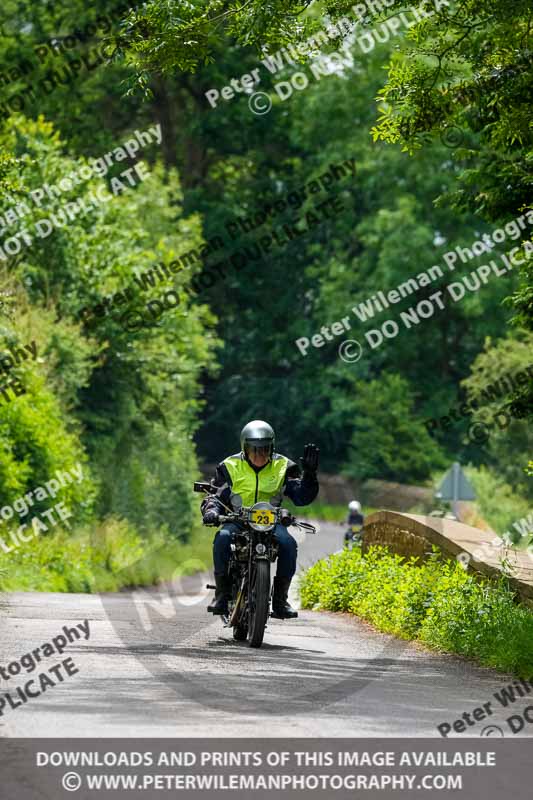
x: 130, y: 403
x: 480, y: 622
x: 35, y: 444
x: 128, y: 400
x: 376, y: 242
x: 511, y: 356
x: 101, y: 558
x: 437, y: 603
x: 386, y: 440
x: 498, y: 503
x: 369, y: 245
x: 158, y: 38
x: 36, y: 437
x: 522, y: 301
x: 469, y: 66
x: 498, y: 359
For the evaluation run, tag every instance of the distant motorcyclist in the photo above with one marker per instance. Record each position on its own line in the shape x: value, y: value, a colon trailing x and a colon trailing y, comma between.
x: 355, y: 519
x: 258, y: 474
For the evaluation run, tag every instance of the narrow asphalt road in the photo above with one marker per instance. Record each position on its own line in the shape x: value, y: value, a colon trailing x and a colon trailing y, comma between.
x: 156, y: 664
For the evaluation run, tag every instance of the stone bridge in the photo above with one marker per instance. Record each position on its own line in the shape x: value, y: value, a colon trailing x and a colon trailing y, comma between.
x: 413, y: 535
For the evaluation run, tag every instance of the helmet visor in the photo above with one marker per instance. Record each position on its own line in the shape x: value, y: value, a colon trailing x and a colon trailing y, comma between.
x: 258, y: 449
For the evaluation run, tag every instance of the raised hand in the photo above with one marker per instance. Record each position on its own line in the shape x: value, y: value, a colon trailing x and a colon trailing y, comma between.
x: 309, y: 461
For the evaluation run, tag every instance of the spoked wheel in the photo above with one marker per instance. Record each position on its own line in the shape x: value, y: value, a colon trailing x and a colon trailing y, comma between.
x: 259, y: 600
x: 240, y: 629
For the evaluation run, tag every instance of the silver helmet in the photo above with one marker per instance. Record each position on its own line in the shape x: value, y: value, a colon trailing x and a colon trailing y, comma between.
x: 257, y: 434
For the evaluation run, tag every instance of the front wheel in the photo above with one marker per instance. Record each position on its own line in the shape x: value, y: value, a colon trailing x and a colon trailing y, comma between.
x: 240, y: 633
x: 259, y: 600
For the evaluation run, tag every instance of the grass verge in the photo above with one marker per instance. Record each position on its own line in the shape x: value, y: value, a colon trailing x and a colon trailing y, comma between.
x: 102, y: 558
x: 436, y: 603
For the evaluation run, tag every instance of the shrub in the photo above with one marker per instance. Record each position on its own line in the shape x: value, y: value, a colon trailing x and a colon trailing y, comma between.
x: 436, y: 602
x: 104, y: 558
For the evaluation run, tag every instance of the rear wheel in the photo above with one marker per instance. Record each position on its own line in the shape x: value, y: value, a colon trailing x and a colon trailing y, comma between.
x: 259, y: 600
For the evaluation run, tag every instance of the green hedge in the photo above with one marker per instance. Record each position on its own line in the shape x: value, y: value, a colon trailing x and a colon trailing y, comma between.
x: 436, y: 603
x: 102, y: 558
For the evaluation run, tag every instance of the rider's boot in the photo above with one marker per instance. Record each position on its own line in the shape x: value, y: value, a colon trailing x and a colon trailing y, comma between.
x: 222, y: 595
x: 280, y: 604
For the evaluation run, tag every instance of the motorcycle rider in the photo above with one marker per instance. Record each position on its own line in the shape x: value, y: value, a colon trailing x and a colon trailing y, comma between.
x: 257, y: 474
x: 355, y: 517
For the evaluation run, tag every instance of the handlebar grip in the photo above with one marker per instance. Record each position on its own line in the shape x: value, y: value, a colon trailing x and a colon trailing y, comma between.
x: 288, y: 520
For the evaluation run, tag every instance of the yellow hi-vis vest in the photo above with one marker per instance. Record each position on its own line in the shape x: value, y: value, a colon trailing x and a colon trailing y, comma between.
x: 255, y: 487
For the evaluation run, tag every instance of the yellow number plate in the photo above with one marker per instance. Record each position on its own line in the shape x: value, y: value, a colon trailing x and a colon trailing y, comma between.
x: 263, y: 517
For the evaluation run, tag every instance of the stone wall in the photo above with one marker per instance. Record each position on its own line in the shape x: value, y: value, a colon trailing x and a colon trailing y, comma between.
x: 413, y: 535
x: 338, y: 490
x: 396, y: 537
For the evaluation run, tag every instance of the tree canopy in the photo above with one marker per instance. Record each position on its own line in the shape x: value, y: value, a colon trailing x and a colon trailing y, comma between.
x: 375, y: 175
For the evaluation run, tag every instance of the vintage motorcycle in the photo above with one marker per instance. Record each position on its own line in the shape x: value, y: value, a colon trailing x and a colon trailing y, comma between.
x: 253, y: 549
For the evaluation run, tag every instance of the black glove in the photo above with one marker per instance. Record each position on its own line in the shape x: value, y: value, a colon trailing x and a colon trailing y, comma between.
x: 287, y: 519
x: 310, y: 460
x: 210, y: 518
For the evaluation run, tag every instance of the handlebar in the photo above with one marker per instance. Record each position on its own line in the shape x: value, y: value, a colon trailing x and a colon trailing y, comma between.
x: 286, y: 520
x: 308, y: 528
